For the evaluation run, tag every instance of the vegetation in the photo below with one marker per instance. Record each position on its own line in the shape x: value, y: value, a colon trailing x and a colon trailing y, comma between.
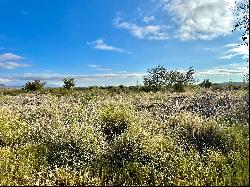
x: 137, y: 135
x: 159, y: 77
x: 34, y: 85
x: 242, y: 22
x: 124, y: 136
x: 206, y: 83
x: 69, y: 83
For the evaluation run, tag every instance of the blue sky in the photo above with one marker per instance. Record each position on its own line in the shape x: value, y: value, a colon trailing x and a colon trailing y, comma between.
x: 109, y: 42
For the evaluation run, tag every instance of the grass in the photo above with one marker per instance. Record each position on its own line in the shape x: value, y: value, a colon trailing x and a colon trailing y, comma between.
x: 98, y: 137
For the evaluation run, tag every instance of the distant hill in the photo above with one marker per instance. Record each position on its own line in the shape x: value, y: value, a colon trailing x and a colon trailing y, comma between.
x: 6, y: 86
x: 226, y: 83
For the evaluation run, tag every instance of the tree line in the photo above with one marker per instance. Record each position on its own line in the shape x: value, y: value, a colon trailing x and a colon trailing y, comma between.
x: 158, y: 78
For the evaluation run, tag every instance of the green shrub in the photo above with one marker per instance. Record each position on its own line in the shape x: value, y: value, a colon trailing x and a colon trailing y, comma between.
x: 195, y: 132
x: 178, y: 87
x: 34, y: 85
x: 206, y: 83
x: 69, y: 83
x: 114, y: 120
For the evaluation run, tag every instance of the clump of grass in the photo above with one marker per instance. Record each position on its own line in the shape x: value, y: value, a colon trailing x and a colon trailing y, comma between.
x: 115, y: 120
x: 194, y: 131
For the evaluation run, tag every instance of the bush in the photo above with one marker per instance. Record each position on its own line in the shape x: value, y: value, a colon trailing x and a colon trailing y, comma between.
x: 195, y: 132
x: 69, y: 83
x: 114, y: 120
x: 206, y: 83
x: 179, y: 87
x: 34, y: 85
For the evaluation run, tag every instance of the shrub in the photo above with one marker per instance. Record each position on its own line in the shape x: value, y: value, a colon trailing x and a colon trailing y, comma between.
x: 114, y: 120
x: 193, y: 131
x: 69, y: 83
x: 206, y: 83
x: 34, y: 85
x: 179, y: 87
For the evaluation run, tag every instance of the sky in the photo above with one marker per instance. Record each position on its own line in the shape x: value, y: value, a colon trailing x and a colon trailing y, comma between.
x: 110, y: 42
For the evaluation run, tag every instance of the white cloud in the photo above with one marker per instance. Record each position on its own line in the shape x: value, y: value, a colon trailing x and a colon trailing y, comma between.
x: 58, y: 77
x: 221, y: 71
x: 4, y: 81
x: 97, y: 67
x: 236, y: 50
x: 231, y: 45
x: 12, y: 65
x: 10, y: 56
x: 148, y: 32
x: 227, y: 57
x: 148, y: 19
x: 99, y: 44
x: 227, y: 70
x: 10, y: 61
x: 200, y: 19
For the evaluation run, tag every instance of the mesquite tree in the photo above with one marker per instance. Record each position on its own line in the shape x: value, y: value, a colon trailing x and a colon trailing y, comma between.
x: 159, y: 77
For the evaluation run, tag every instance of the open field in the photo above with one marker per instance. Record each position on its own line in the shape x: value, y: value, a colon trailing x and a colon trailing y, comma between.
x: 102, y: 137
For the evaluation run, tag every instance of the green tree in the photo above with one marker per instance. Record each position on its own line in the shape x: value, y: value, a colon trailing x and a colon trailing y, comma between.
x: 156, y: 78
x: 242, y: 21
x: 159, y: 77
x: 69, y: 83
x: 34, y: 85
x: 242, y: 24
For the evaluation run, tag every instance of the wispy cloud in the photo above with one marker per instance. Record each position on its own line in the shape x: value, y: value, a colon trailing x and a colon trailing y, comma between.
x: 4, y: 81
x: 99, y: 44
x: 236, y: 50
x: 12, y: 65
x: 56, y: 77
x: 11, y: 61
x: 100, y: 68
x: 10, y: 56
x: 198, y: 19
x: 221, y: 71
x: 148, y: 19
x: 226, y: 70
x: 148, y: 32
